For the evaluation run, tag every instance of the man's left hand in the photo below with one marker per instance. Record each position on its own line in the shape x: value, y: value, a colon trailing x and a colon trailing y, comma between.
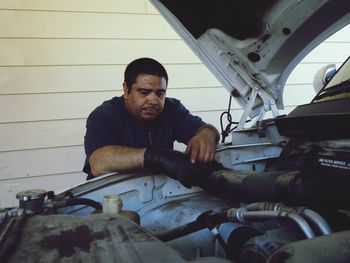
x: 202, y: 146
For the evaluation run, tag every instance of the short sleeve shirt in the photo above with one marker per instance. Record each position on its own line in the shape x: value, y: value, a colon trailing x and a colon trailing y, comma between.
x: 112, y: 124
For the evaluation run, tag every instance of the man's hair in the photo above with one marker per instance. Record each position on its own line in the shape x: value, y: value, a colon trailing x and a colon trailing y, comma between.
x: 141, y: 66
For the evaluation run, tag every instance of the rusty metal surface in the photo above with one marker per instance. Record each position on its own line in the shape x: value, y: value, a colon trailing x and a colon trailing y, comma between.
x: 69, y: 238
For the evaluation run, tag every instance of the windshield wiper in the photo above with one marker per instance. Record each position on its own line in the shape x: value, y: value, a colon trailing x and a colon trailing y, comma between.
x: 334, y: 90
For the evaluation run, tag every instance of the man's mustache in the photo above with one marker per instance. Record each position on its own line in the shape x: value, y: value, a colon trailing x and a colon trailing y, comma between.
x: 151, y: 108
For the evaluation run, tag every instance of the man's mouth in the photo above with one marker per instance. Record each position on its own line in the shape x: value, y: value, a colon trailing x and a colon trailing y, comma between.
x: 150, y: 110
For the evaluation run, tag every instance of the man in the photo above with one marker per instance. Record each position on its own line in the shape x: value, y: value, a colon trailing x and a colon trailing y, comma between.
x: 138, y: 129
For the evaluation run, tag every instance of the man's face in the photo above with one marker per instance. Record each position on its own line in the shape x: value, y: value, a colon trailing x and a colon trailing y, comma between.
x: 147, y: 97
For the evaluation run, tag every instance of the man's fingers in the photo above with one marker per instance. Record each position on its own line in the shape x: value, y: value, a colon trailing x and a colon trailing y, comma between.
x: 206, y: 153
x: 212, y: 153
x: 194, y: 153
x: 201, y: 151
x: 212, y: 156
x: 209, y: 154
x: 206, y: 156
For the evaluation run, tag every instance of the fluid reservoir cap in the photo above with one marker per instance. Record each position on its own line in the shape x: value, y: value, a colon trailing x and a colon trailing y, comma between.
x: 31, y: 194
x: 112, y: 204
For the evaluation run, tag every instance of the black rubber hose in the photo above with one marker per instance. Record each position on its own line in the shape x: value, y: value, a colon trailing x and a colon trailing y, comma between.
x: 81, y: 201
x: 181, y: 231
x: 200, y: 223
x: 234, y: 186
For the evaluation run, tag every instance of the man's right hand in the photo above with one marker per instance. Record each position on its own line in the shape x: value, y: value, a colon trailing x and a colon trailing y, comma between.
x: 178, y: 165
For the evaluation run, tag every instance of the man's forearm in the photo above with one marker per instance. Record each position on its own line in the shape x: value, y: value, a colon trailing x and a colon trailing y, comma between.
x: 115, y: 158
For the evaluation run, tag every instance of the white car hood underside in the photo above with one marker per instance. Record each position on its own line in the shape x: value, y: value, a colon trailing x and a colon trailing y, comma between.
x: 252, y: 46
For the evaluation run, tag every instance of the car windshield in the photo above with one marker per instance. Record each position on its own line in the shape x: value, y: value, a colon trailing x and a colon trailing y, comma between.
x: 338, y: 86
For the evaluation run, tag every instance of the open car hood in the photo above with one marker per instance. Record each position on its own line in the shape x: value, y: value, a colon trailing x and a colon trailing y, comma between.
x: 252, y: 46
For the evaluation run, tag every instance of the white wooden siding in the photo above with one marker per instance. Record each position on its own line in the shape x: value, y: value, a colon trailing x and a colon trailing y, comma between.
x: 94, y: 6
x: 59, y: 59
x: 90, y: 78
x: 34, y: 162
x: 54, y: 24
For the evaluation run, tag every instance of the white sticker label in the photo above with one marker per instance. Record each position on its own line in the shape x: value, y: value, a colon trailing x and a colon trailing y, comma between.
x: 340, y: 164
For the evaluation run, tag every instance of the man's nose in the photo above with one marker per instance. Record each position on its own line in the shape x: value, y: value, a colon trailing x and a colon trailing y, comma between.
x: 153, y: 98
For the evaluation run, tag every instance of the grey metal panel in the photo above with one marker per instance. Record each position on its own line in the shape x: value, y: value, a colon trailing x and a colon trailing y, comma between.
x: 69, y: 238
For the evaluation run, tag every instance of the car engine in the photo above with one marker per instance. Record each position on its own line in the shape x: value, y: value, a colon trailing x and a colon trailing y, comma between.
x: 288, y: 204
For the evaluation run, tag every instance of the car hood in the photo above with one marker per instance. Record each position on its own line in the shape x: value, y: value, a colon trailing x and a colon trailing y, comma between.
x: 252, y: 46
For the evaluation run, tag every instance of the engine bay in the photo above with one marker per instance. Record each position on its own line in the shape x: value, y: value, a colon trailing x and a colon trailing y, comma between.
x: 286, y: 209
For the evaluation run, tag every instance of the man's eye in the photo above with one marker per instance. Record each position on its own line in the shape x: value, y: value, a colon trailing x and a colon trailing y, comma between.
x: 160, y: 93
x: 144, y: 91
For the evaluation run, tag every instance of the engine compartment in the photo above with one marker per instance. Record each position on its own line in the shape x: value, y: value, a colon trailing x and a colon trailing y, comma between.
x: 270, y: 210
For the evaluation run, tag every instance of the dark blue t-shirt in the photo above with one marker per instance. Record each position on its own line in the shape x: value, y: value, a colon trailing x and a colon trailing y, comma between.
x: 112, y: 124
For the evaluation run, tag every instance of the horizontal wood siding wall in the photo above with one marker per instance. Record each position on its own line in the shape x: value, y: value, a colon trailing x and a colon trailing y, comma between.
x: 60, y: 59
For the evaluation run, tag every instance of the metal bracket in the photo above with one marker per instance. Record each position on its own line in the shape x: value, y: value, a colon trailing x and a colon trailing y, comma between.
x: 269, y: 104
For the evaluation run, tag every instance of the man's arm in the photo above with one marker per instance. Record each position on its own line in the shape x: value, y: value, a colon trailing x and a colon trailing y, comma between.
x: 202, y: 146
x: 114, y: 158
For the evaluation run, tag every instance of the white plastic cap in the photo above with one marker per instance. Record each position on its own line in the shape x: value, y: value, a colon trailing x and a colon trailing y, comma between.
x: 112, y: 204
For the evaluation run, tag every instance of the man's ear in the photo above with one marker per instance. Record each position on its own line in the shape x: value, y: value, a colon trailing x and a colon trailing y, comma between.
x: 125, y: 89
